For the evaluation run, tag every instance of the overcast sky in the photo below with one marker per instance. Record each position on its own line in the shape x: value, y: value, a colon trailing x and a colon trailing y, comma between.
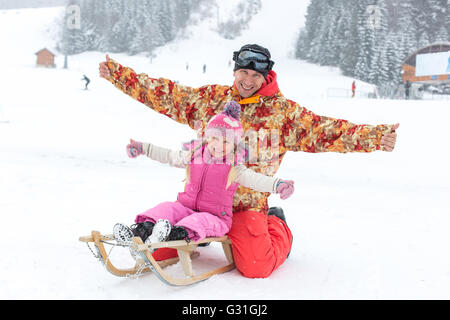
x: 15, y: 4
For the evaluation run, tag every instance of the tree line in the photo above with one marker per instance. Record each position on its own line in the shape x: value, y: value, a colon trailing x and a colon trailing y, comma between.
x: 124, y: 26
x: 370, y: 39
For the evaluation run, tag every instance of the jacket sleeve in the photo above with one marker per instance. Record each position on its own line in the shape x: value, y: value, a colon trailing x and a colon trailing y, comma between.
x: 254, y: 180
x: 186, y: 105
x: 305, y: 131
x: 175, y: 158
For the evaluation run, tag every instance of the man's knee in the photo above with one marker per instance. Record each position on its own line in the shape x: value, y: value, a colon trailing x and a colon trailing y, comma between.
x: 254, y: 251
x: 256, y: 270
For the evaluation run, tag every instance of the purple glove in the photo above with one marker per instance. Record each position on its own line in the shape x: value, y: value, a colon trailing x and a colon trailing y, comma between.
x: 285, y: 188
x: 134, y: 149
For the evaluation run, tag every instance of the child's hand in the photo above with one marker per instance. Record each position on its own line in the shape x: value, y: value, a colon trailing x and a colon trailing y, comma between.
x: 134, y: 149
x: 285, y: 188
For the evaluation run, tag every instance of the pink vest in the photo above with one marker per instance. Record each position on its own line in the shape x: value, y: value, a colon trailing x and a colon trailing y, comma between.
x: 206, y: 190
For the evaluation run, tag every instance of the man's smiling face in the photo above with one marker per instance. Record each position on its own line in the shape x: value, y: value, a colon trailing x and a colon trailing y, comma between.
x: 248, y: 82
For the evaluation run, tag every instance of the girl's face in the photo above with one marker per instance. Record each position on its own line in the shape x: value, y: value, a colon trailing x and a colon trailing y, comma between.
x: 219, y: 147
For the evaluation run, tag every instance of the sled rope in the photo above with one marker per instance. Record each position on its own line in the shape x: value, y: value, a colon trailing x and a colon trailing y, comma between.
x: 139, y: 271
x: 99, y: 256
x: 108, y: 254
x: 96, y: 255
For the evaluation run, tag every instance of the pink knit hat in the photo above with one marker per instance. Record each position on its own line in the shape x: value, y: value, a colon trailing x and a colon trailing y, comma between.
x: 227, y: 123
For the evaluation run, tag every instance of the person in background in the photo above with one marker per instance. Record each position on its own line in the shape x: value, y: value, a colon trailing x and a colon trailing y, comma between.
x: 85, y: 78
x: 407, y: 89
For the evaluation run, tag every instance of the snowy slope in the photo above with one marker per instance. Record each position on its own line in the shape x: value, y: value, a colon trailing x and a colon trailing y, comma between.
x: 372, y: 226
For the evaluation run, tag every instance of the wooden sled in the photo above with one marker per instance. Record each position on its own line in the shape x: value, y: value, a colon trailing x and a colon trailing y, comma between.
x: 186, y: 252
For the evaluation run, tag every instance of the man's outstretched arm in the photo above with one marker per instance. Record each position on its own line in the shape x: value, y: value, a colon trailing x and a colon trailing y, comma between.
x: 305, y: 131
x: 183, y: 104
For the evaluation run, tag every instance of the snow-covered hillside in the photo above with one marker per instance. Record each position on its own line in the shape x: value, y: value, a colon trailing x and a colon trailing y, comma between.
x: 365, y: 226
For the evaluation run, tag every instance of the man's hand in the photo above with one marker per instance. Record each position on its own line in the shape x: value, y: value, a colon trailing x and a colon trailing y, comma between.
x: 104, y: 70
x: 388, y: 140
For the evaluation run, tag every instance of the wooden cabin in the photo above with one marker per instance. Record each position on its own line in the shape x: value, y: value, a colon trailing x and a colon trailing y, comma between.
x: 409, y: 66
x: 45, y: 58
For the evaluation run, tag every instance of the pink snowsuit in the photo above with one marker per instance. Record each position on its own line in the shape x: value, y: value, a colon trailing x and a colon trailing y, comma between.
x: 205, y: 208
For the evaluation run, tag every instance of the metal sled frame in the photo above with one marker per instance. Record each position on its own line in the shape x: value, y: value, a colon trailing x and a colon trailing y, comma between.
x: 185, y: 250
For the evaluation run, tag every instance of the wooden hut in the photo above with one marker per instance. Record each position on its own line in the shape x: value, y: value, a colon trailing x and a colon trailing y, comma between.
x: 45, y: 58
x: 409, y: 68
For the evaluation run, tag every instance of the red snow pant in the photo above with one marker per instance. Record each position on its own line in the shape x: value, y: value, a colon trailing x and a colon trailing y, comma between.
x: 260, y: 244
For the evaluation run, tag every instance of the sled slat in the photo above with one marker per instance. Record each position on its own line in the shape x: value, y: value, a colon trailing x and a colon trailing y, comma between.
x: 190, y: 277
x: 226, y: 245
x: 86, y: 239
x: 91, y: 238
x: 179, y: 244
x: 186, y: 263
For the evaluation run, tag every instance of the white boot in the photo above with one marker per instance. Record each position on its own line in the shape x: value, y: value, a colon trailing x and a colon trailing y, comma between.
x: 122, y: 233
x: 160, y: 232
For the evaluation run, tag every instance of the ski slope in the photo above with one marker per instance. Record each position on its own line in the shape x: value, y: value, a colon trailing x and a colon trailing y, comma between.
x: 365, y: 226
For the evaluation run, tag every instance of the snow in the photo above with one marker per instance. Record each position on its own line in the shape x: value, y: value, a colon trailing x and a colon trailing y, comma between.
x: 365, y: 226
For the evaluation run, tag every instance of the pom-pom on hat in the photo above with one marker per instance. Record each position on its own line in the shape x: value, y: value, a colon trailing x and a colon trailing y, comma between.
x: 226, y: 124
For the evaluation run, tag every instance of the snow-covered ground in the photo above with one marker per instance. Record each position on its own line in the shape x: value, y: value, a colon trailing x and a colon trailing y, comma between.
x: 365, y: 226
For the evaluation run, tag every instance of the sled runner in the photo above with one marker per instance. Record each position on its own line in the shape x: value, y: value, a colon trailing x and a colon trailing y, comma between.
x: 186, y: 252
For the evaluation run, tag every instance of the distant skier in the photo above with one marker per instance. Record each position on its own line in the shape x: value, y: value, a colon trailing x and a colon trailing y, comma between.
x: 353, y: 89
x: 407, y: 88
x: 87, y: 81
x: 204, y: 68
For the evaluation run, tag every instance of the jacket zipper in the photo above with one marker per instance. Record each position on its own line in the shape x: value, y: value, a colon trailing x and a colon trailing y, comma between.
x: 201, y: 186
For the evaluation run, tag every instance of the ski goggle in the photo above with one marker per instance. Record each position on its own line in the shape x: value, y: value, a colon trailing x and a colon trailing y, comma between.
x: 259, y: 60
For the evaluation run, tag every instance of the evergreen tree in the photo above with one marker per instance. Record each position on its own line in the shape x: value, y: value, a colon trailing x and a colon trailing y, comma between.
x: 312, y: 25
x: 437, y: 17
x: 378, y: 72
x: 344, y: 33
x: 350, y: 42
x: 126, y: 26
x: 72, y: 38
x: 423, y: 40
x: 328, y: 48
x: 442, y: 35
x: 366, y: 37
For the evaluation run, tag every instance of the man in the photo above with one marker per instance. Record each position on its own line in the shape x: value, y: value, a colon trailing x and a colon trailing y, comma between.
x: 85, y: 78
x: 407, y: 88
x: 261, y: 241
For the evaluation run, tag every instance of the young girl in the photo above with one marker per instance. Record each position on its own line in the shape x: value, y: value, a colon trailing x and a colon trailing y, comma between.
x: 214, y: 171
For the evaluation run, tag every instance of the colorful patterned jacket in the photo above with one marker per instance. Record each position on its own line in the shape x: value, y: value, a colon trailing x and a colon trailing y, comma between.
x: 299, y: 129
